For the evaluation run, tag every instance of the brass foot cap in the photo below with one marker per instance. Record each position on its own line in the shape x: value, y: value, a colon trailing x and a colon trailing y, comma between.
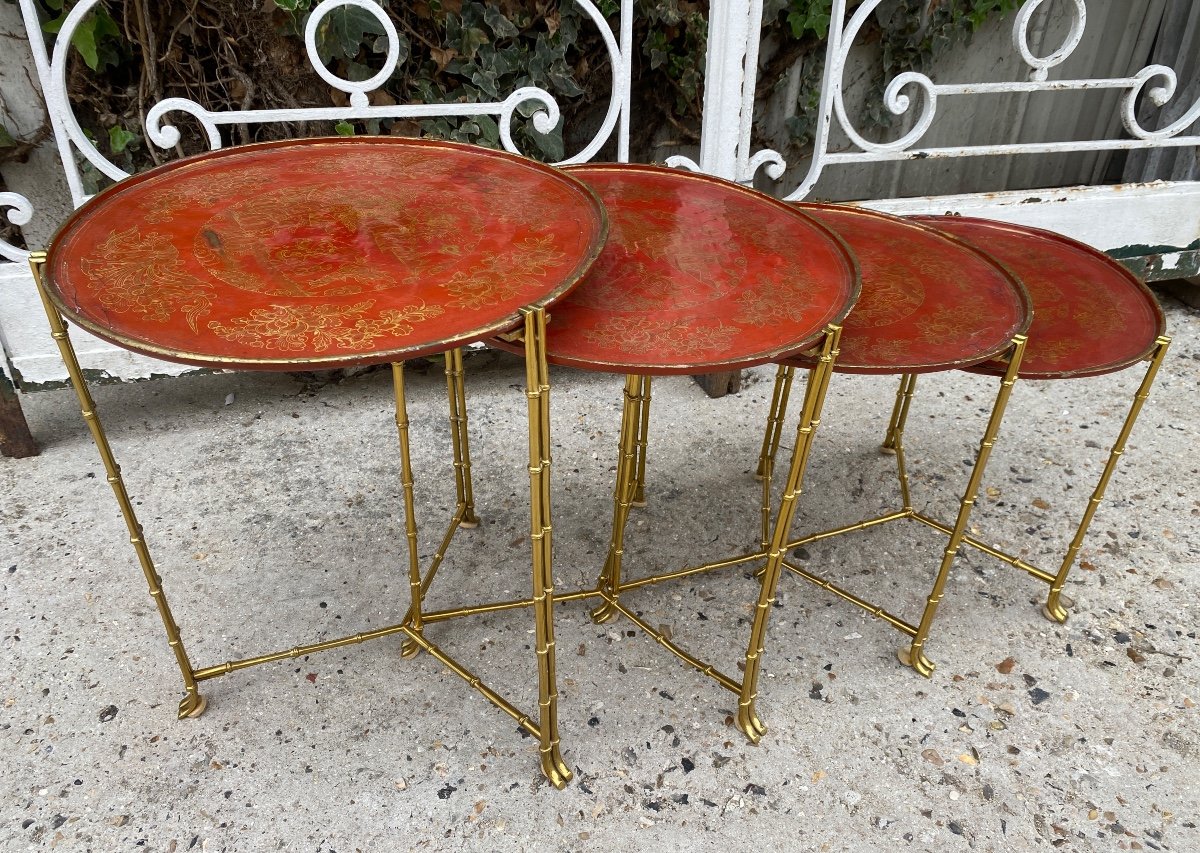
x: 469, y: 525
x: 887, y: 450
x: 190, y: 709
x: 926, y: 667
x: 1054, y: 617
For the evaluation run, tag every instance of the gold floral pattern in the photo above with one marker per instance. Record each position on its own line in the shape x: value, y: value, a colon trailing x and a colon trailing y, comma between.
x: 954, y: 319
x: 201, y: 190
x: 758, y: 308
x: 142, y: 274
x: 492, y: 282
x: 316, y: 328
x: 643, y: 335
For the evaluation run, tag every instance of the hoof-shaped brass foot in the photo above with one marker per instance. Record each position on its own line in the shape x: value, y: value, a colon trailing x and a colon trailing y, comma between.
x: 192, y: 706
x: 469, y: 521
x: 1055, y: 612
x: 923, y: 665
x: 638, y: 502
x: 603, y: 612
x: 750, y: 725
x: 887, y: 449
x: 556, y: 769
x: 409, y: 649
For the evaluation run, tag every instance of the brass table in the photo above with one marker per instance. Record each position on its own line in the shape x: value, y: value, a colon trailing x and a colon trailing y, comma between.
x: 326, y: 253
x: 930, y: 302
x: 700, y: 275
x: 1092, y: 317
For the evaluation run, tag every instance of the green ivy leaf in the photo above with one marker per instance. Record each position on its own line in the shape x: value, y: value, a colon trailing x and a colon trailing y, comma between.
x: 501, y: 27
x: 380, y: 45
x: 342, y: 32
x: 472, y: 39
x: 344, y: 128
x: 6, y: 138
x: 550, y: 144
x: 119, y: 139
x: 487, y: 82
x: 489, y: 131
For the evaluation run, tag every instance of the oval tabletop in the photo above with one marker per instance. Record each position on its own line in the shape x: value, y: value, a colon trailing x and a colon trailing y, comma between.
x: 929, y: 301
x: 1091, y: 315
x: 698, y: 275
x: 323, y: 252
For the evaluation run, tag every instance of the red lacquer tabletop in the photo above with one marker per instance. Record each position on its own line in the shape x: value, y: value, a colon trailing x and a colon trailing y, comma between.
x: 1091, y: 315
x: 323, y: 252
x: 698, y: 274
x: 929, y: 301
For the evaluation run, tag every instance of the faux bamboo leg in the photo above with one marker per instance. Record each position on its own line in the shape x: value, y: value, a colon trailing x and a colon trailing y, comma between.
x: 770, y: 446
x: 643, y: 439
x: 610, y: 577
x: 774, y: 431
x: 457, y: 396
x: 537, y: 376
x: 914, y: 656
x: 1054, y: 609
x: 409, y: 648
x: 894, y: 442
x: 814, y: 397
x: 899, y: 410
x: 193, y: 703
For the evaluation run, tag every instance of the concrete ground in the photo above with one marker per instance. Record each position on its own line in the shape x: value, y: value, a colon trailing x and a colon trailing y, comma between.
x: 272, y: 504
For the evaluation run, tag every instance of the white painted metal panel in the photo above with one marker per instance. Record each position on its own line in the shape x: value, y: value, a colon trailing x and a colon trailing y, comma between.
x: 1111, y: 218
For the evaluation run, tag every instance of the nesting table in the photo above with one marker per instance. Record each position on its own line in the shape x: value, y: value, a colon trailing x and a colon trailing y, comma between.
x: 326, y: 253
x: 279, y: 256
x: 1091, y: 317
x: 930, y: 302
x: 700, y: 275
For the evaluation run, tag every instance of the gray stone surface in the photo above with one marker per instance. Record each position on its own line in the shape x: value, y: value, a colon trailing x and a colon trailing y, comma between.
x: 272, y: 504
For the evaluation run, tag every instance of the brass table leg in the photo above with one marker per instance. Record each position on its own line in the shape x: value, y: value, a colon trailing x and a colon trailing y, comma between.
x: 537, y: 379
x: 1053, y: 609
x: 633, y: 414
x: 784, y: 376
x: 643, y: 439
x: 914, y: 655
x: 814, y: 398
x: 193, y: 703
x: 409, y: 648
x: 894, y: 441
x: 779, y: 403
x: 457, y: 395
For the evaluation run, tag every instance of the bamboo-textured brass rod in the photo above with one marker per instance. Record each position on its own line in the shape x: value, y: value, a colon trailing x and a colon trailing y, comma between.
x: 1054, y: 608
x: 474, y: 681
x: 692, y: 661
x: 748, y: 721
x: 874, y: 610
x: 915, y: 654
x: 849, y: 528
x: 990, y: 550
x: 298, y: 651
x: 192, y: 704
x: 500, y: 606
x: 643, y: 440
x: 410, y: 513
x: 693, y: 570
